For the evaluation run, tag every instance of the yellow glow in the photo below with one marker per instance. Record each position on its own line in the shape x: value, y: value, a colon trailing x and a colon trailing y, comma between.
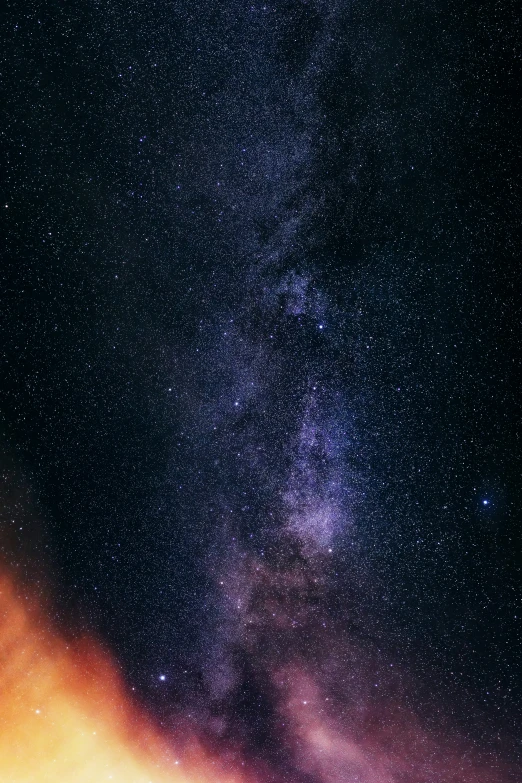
x: 65, y: 717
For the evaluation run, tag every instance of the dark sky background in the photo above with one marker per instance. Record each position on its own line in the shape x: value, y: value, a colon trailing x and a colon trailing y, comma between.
x: 230, y: 225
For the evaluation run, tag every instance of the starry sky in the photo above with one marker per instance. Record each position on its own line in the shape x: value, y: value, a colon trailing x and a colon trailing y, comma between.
x: 260, y: 422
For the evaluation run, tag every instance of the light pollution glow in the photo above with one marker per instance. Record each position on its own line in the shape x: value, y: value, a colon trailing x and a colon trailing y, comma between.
x: 65, y: 717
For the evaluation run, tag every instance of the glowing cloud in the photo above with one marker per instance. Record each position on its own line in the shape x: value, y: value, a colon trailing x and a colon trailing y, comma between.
x: 65, y: 717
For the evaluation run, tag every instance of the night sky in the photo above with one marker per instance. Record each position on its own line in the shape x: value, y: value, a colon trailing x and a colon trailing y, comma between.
x: 260, y: 407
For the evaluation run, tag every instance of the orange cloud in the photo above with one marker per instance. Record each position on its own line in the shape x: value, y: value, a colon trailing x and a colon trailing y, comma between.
x: 65, y: 716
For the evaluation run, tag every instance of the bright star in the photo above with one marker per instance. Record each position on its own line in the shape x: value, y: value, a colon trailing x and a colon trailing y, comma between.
x: 485, y: 502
